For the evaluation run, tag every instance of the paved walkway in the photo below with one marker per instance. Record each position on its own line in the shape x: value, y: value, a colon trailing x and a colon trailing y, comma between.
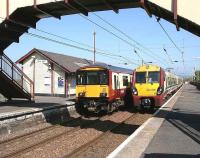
x: 41, y: 102
x: 179, y: 135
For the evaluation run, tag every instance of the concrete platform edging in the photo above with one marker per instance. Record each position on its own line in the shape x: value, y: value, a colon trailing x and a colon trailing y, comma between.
x: 135, y: 145
x: 13, y: 122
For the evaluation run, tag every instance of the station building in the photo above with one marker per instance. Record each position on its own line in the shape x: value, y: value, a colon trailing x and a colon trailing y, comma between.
x: 53, y: 74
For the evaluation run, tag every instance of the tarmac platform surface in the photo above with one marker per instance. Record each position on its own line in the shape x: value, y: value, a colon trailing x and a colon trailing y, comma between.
x: 41, y: 102
x: 174, y: 132
x: 179, y: 135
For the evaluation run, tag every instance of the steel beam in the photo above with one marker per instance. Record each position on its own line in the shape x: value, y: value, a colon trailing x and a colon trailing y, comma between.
x: 110, y: 6
x: 73, y: 4
x: 46, y: 12
x: 14, y: 26
x: 23, y: 21
x: 145, y: 7
x: 8, y: 37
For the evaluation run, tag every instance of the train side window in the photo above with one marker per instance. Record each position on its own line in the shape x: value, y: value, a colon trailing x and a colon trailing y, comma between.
x: 125, y: 80
x: 115, y: 82
x: 118, y: 82
x: 81, y: 78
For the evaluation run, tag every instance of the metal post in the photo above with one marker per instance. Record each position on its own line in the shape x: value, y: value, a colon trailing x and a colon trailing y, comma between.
x: 35, y: 3
x: 7, y: 9
x: 94, y: 47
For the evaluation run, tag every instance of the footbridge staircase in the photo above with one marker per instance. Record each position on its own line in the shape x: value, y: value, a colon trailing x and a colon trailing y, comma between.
x: 13, y: 82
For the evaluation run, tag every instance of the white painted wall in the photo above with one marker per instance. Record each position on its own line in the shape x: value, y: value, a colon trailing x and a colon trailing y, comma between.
x: 42, y: 70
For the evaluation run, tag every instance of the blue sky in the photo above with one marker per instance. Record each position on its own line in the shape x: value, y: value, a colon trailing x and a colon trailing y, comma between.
x: 134, y: 22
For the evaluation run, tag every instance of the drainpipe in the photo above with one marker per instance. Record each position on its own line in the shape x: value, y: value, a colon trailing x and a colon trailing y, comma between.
x: 52, y: 79
x: 33, y: 57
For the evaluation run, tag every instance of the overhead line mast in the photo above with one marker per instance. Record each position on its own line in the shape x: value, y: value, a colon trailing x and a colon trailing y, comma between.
x: 110, y: 32
x: 94, y: 34
x: 120, y: 31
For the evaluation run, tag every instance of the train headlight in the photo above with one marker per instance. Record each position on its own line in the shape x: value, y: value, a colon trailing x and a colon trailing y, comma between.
x: 103, y: 94
x: 81, y: 94
x: 160, y: 90
x: 134, y: 91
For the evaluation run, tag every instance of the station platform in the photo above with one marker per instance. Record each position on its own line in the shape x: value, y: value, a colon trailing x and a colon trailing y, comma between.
x: 17, y: 115
x: 173, y: 132
x: 16, y: 107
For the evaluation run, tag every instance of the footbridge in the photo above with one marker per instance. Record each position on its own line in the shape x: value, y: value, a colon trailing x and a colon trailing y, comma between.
x: 18, y: 16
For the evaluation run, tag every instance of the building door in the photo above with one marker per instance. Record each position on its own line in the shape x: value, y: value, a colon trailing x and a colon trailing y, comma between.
x: 66, y: 85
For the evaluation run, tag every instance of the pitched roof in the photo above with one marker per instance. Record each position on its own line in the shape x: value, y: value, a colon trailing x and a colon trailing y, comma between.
x: 110, y: 67
x: 68, y: 63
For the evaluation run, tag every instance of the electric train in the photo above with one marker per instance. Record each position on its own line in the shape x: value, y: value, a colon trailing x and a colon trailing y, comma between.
x: 152, y: 84
x: 102, y: 87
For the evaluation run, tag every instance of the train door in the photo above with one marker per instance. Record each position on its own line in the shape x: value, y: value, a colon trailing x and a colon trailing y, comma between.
x: 115, y: 85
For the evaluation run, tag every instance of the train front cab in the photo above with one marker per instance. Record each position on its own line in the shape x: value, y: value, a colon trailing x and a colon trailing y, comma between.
x: 92, y: 88
x: 148, y: 86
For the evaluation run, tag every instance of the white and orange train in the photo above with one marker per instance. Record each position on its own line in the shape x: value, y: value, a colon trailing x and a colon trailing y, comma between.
x: 152, y: 84
x: 102, y: 87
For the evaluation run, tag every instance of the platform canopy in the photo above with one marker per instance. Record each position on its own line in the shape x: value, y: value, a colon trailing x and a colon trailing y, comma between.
x: 16, y: 17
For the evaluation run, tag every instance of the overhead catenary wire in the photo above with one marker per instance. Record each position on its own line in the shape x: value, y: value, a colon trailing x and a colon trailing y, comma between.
x: 110, y: 32
x: 80, y: 48
x: 169, y: 37
x: 126, y: 35
x: 110, y: 55
x: 169, y: 57
x: 113, y: 56
x: 116, y: 28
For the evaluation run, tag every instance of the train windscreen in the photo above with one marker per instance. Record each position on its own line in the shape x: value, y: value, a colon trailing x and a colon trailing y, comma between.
x: 92, y: 78
x: 140, y: 77
x: 153, y: 76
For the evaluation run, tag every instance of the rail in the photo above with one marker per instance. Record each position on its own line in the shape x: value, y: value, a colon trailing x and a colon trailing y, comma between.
x: 16, y: 75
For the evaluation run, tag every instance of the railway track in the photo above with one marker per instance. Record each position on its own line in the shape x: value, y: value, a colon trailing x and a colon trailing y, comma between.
x: 45, y: 131
x: 91, y: 148
x: 73, y: 135
x: 72, y: 139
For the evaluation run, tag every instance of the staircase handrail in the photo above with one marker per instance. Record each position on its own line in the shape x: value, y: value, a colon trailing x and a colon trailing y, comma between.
x: 15, y: 69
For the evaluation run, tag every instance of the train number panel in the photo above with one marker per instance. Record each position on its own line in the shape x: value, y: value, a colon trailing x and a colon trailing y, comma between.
x: 101, y: 87
x: 152, y: 84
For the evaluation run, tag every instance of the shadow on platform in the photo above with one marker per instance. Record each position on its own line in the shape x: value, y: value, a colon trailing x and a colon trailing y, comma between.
x: 187, y: 122
x: 161, y: 155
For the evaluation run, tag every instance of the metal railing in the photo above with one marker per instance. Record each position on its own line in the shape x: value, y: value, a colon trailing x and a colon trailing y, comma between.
x: 16, y: 75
